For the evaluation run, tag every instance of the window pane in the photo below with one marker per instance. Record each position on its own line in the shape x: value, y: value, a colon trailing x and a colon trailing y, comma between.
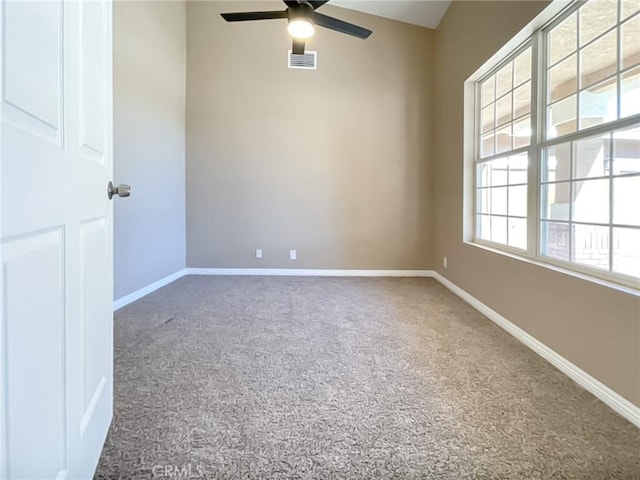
x: 630, y: 42
x: 482, y: 175
x: 498, y: 200
x: 556, y: 240
x: 562, y: 117
x: 483, y: 225
x: 518, y: 165
x: 563, y: 79
x: 591, y: 246
x: 555, y: 201
x: 518, y: 233
x: 626, y: 251
x: 487, y: 118
x: 629, y: 7
x: 591, y: 201
x: 557, y: 163
x: 591, y: 158
x: 522, y: 67
x: 518, y: 201
x: 487, y: 90
x: 626, y: 151
x: 598, y: 60
x: 499, y: 229
x: 598, y: 104
x: 522, y: 100
x: 482, y: 200
x: 503, y: 110
x: 630, y: 93
x: 504, y: 79
x: 488, y: 144
x: 562, y: 39
x: 626, y: 201
x: 493, y: 173
x: 503, y: 139
x: 596, y: 17
x: 522, y: 133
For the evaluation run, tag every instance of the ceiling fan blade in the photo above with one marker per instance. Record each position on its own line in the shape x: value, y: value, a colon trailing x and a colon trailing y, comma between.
x: 246, y: 16
x: 298, y: 47
x: 340, y: 26
x: 318, y: 4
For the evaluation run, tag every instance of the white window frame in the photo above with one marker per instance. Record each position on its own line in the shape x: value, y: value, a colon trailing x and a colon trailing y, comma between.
x: 477, y: 145
x: 533, y: 34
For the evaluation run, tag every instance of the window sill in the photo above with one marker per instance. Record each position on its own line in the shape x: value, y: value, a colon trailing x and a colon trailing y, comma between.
x: 556, y: 268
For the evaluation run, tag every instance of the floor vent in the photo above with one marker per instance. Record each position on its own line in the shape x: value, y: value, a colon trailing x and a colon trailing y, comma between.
x: 307, y: 61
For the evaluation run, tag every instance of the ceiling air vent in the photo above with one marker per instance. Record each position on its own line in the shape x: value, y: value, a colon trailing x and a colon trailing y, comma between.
x: 307, y: 61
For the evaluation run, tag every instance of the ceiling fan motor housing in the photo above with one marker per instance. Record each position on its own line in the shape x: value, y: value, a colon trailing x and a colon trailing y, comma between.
x: 301, y: 11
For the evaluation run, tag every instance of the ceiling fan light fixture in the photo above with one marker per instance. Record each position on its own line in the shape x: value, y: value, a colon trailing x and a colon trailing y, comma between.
x: 300, y: 28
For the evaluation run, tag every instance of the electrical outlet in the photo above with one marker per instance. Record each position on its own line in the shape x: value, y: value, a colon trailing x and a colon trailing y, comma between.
x: 292, y: 255
x: 444, y: 262
x: 258, y: 253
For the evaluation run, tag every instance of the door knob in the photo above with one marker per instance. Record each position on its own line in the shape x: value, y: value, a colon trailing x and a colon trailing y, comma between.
x: 120, y: 190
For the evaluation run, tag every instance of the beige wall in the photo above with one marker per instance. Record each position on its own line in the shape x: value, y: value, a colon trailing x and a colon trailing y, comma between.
x: 595, y: 327
x: 149, y: 141
x: 333, y: 162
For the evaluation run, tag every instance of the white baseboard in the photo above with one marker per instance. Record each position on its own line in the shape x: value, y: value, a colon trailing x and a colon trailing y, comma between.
x: 618, y: 403
x: 304, y: 272
x: 138, y: 294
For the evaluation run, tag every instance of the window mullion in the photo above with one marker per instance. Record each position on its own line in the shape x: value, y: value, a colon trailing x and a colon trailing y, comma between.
x: 578, y: 73
x: 611, y: 160
x: 618, y: 28
x: 538, y: 89
x: 477, y: 145
x: 572, y: 186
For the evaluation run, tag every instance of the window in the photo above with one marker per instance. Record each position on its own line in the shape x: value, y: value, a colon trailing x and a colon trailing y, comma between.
x: 501, y: 170
x: 556, y: 163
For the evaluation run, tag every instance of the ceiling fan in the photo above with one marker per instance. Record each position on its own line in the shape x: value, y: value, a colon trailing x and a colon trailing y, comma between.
x: 302, y: 17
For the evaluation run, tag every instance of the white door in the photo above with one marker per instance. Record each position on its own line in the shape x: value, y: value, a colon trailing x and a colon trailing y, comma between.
x: 56, y: 238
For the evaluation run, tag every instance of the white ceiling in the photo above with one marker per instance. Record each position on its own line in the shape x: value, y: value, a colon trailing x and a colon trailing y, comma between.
x: 425, y: 13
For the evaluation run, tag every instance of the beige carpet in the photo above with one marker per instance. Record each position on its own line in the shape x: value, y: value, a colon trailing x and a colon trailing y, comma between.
x: 344, y: 378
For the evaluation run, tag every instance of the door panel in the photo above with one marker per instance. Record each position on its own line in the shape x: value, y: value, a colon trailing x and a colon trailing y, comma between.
x: 94, y: 281
x: 56, y: 237
x: 92, y: 79
x: 32, y: 82
x: 39, y: 157
x: 34, y: 280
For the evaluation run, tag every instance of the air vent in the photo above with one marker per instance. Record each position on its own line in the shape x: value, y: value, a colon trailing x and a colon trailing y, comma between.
x: 307, y: 61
